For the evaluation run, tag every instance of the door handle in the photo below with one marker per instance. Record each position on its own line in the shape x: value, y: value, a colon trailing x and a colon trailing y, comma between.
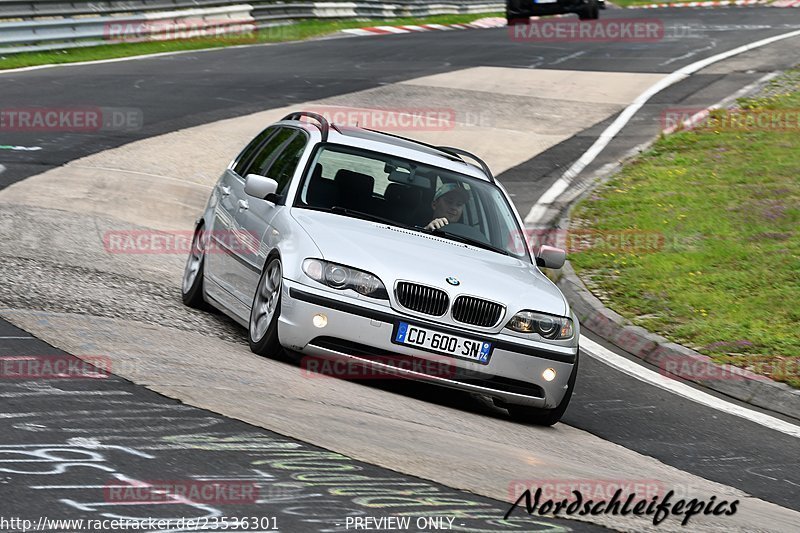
x: 243, y: 205
x: 226, y: 191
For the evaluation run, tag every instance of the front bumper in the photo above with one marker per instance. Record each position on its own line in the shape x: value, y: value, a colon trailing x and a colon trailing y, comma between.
x: 361, y: 331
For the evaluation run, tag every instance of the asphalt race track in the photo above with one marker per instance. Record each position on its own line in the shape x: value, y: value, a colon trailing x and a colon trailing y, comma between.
x: 215, y: 411
x: 146, y: 439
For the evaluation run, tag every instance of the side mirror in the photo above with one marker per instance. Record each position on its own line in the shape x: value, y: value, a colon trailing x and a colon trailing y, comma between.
x: 550, y: 257
x: 259, y: 186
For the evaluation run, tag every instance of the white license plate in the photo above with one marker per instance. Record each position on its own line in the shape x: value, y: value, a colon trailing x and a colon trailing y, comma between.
x: 444, y: 343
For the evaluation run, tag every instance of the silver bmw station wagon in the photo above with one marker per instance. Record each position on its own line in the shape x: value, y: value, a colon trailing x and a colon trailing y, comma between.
x: 357, y: 245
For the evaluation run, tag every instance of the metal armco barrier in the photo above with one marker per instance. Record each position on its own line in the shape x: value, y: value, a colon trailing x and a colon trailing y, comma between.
x: 39, y: 25
x: 59, y: 33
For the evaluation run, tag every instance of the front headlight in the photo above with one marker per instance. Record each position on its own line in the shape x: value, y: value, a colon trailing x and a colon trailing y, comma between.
x: 548, y: 326
x: 343, y: 277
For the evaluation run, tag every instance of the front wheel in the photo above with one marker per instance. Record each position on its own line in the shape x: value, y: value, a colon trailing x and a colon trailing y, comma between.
x: 192, y: 282
x: 263, y: 328
x: 515, y: 13
x: 545, y: 417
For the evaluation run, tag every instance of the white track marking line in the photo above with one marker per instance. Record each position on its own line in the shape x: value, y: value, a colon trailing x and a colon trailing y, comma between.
x: 561, y: 184
x: 391, y: 29
x: 414, y: 27
x: 2, y: 338
x: 646, y: 375
x: 358, y: 31
x: 687, y: 55
x: 567, y: 58
x: 2, y: 169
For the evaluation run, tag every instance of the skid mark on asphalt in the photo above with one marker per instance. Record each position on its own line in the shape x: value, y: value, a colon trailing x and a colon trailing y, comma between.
x: 104, y: 294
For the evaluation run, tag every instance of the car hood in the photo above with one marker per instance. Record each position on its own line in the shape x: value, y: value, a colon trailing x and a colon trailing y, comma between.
x: 394, y: 253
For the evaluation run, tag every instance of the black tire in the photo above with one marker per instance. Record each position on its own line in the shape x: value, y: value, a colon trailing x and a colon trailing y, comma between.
x: 591, y: 11
x: 268, y: 344
x: 515, y: 14
x: 192, y: 293
x: 545, y: 417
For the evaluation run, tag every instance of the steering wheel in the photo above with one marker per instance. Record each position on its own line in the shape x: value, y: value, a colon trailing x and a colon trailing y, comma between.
x: 465, y: 230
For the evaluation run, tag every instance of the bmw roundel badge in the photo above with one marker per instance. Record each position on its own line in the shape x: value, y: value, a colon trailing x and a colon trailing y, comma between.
x: 453, y: 281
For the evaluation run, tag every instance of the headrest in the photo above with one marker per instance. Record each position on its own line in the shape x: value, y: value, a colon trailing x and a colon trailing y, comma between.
x: 351, y: 182
x: 402, y: 194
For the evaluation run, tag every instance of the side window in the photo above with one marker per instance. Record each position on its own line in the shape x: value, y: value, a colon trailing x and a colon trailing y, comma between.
x: 284, y: 165
x: 267, y: 154
x: 247, y: 154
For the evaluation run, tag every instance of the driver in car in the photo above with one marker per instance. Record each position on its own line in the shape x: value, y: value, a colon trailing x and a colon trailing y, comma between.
x: 448, y: 205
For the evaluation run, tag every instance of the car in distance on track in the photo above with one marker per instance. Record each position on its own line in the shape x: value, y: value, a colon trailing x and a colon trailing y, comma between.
x: 519, y: 11
x: 328, y: 241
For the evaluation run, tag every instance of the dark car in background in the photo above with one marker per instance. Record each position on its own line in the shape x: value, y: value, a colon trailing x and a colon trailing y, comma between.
x: 520, y: 11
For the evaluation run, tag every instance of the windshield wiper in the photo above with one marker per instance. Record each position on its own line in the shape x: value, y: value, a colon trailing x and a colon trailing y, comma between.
x: 360, y: 214
x: 466, y: 240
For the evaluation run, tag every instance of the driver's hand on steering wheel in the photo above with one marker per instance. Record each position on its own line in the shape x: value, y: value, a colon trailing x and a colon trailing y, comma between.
x: 437, y: 223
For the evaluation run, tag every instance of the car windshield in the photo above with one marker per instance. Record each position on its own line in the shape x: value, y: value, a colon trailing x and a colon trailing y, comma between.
x: 373, y: 186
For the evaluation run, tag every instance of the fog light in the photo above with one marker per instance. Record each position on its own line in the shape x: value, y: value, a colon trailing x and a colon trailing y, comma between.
x: 320, y: 321
x: 549, y: 374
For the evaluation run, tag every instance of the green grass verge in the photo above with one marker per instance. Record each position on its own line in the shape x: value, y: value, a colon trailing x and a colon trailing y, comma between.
x: 727, y: 201
x: 296, y: 32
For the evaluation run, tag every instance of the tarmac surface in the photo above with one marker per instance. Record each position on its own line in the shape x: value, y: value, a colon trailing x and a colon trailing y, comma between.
x: 59, y: 283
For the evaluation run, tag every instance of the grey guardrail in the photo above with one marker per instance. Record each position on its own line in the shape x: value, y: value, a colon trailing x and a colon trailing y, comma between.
x: 54, y: 24
x: 57, y: 33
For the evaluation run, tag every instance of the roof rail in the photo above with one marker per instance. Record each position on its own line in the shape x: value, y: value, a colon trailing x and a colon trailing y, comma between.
x: 451, y: 155
x: 323, y: 123
x: 459, y: 152
x: 454, y: 153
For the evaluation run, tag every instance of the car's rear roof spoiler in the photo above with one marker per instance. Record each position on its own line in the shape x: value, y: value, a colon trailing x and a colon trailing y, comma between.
x: 323, y: 125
